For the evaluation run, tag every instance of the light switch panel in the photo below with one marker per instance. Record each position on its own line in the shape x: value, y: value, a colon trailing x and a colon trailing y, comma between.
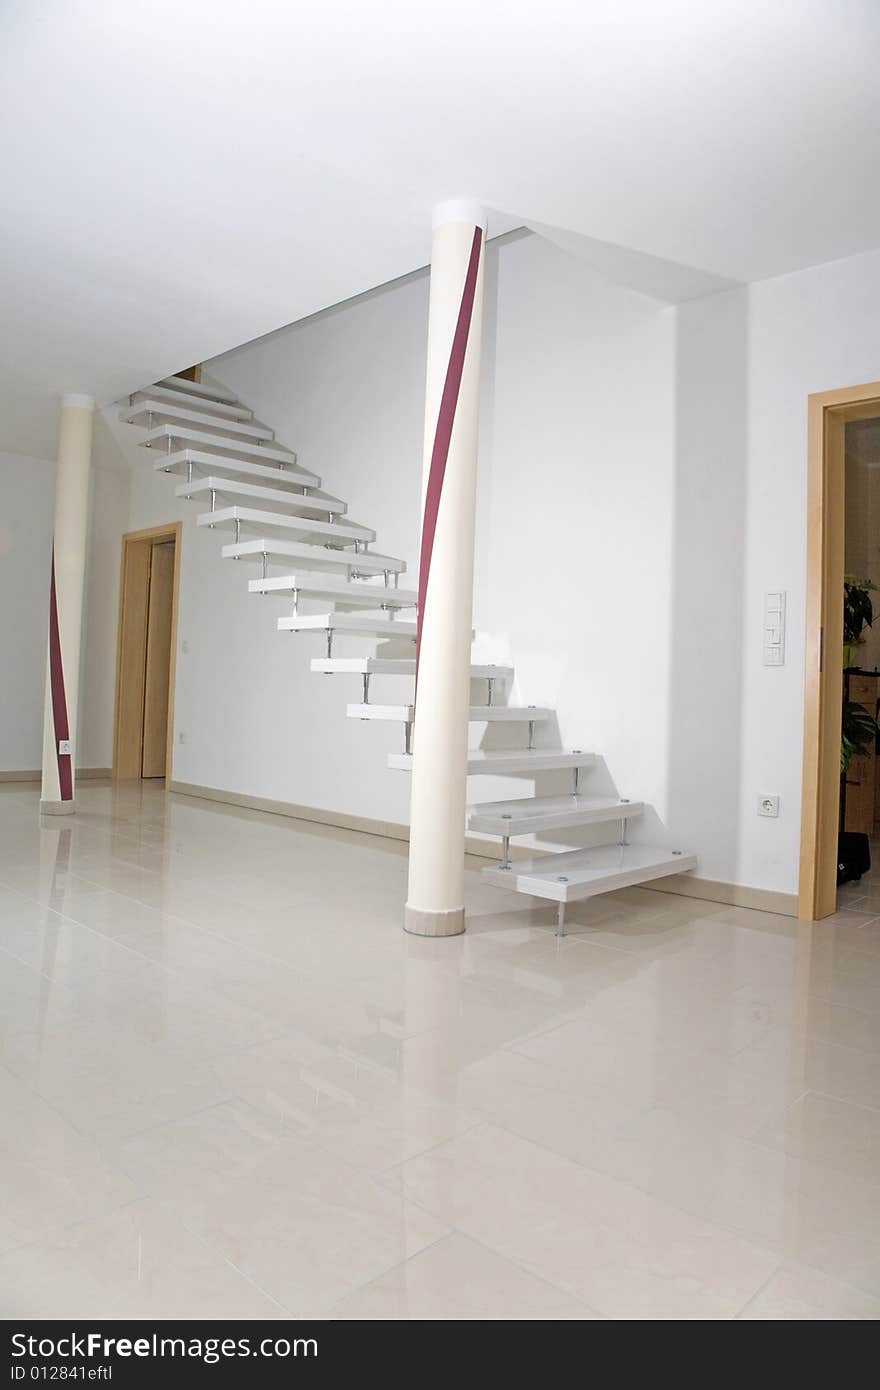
x: 774, y: 628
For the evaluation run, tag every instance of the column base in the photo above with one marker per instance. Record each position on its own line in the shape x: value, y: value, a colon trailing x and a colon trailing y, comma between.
x: 419, y: 921
x: 57, y: 808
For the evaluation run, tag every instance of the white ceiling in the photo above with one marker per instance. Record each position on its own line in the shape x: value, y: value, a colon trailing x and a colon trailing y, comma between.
x: 176, y: 178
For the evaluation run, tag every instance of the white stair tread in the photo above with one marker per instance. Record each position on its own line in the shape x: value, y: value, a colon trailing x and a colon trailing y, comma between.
x: 315, y: 557
x: 279, y: 498
x: 581, y: 873
x: 199, y: 388
x: 183, y: 436
x: 378, y: 626
x: 478, y: 714
x: 388, y: 666
x: 505, y: 760
x: 244, y: 468
x: 530, y: 814
x: 298, y: 525
x: 358, y: 591
x: 225, y: 410
x: 163, y: 413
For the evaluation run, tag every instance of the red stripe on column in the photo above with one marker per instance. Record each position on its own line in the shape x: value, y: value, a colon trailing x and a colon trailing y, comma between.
x: 443, y: 433
x: 59, y: 697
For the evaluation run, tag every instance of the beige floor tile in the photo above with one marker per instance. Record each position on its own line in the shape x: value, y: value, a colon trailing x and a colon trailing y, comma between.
x: 196, y: 1156
x: 66, y: 952
x: 457, y: 1279
x: 31, y: 1001
x: 797, y: 1294
x: 547, y: 1106
x: 356, y: 1111
x: 834, y: 1132
x: 51, y: 1176
x: 306, y: 1227
x: 110, y: 1082
x: 138, y: 1262
x: 794, y: 1206
x: 671, y: 1113
x: 623, y: 1253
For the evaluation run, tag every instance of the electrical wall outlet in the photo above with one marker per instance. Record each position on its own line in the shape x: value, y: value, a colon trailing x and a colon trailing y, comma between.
x: 768, y: 805
x: 65, y: 745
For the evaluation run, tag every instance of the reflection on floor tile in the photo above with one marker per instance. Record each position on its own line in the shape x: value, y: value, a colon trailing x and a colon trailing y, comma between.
x: 234, y: 1088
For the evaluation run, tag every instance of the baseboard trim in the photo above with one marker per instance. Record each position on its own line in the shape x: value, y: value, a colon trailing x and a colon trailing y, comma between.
x: 711, y: 890
x: 83, y: 774
x: 736, y: 894
x: 340, y: 820
x: 389, y: 830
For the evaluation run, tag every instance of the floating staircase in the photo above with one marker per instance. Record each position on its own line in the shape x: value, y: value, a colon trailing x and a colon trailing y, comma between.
x: 149, y: 412
x: 169, y: 438
x: 354, y: 565
x: 361, y: 593
x: 331, y: 533
x: 306, y: 502
x: 192, y: 462
x: 280, y: 516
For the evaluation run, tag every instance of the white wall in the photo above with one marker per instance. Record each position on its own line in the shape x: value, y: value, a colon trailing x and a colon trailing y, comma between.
x: 746, y: 362
x: 27, y: 497
x: 812, y: 331
x: 642, y: 483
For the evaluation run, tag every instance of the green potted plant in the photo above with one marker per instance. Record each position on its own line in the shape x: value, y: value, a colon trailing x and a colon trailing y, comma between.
x: 858, y: 613
x: 858, y: 732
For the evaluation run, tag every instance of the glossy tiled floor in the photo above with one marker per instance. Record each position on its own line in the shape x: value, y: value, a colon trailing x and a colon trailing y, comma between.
x: 231, y: 1087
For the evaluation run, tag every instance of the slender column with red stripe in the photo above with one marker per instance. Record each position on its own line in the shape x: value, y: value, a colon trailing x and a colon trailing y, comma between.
x: 65, y: 604
x: 435, y: 899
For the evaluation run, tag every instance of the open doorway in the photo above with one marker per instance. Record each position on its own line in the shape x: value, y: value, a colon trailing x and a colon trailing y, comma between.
x: 831, y: 671
x: 149, y: 584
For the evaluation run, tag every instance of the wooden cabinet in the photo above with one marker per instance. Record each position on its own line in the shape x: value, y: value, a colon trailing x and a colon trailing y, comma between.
x: 860, y: 794
x: 862, y: 789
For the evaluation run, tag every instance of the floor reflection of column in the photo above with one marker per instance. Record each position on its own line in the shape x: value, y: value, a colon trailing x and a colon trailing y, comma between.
x: 55, y: 847
x: 432, y: 1054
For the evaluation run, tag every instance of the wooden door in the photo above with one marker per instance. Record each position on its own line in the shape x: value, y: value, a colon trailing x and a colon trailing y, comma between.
x: 829, y: 413
x: 158, y: 659
x: 133, y: 613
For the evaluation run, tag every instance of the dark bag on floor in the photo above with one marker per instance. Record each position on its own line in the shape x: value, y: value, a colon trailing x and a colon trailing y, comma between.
x: 853, y: 856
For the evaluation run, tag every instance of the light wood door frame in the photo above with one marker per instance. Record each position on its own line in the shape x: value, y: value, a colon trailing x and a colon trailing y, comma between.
x: 829, y: 412
x: 157, y: 673
x: 131, y: 644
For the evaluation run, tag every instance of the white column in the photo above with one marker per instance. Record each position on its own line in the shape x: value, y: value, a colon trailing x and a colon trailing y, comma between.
x: 435, y: 899
x: 65, y: 603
